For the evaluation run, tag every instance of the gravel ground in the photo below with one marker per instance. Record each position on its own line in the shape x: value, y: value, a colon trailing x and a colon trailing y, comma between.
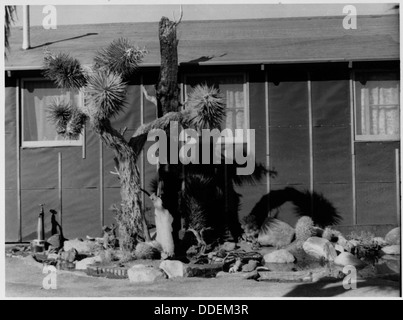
x: 24, y: 279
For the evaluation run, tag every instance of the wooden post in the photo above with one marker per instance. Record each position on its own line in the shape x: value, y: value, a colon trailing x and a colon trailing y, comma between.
x: 101, y: 183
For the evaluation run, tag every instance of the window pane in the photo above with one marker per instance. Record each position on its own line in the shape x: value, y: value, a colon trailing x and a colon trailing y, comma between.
x: 377, y: 105
x: 38, y: 95
x: 231, y: 87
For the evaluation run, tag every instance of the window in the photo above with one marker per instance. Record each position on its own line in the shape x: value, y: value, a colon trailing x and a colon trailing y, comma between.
x: 377, y: 106
x: 37, y: 130
x: 233, y: 88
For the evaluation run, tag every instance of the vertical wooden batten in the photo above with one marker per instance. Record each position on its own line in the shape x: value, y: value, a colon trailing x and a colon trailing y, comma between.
x: 266, y: 92
x: 101, y: 183
x: 353, y: 160
x: 397, y: 161
x: 142, y: 159
x: 18, y: 144
x: 60, y: 190
x: 310, y: 115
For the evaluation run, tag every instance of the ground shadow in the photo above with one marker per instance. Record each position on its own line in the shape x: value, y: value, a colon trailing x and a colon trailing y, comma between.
x: 306, y: 203
x: 331, y: 287
x: 63, y: 40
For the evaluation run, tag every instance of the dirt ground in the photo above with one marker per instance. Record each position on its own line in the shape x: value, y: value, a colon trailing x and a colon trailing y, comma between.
x: 24, y: 279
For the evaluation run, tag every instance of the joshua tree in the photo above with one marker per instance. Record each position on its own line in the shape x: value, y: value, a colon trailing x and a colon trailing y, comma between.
x: 104, y: 87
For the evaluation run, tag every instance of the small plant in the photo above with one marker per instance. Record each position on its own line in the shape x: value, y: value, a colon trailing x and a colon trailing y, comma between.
x: 366, y: 247
x: 331, y: 234
x: 148, y: 250
x: 304, y: 229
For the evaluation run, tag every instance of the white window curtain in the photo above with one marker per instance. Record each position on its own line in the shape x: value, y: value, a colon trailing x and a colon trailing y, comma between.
x: 38, y: 95
x: 378, y: 108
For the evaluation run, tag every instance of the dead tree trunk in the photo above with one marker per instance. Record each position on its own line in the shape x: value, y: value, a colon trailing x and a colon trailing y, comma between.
x: 130, y: 184
x: 167, y: 95
x: 167, y: 90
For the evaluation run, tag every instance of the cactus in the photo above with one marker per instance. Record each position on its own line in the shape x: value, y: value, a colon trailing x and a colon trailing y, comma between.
x: 304, y: 229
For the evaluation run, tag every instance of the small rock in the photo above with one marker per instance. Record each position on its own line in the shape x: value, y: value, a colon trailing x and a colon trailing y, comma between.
x: 55, y: 241
x: 320, y: 248
x: 339, y: 248
x: 174, y: 268
x: 69, y: 256
x: 53, y: 256
x: 250, y: 266
x: 275, y: 233
x: 393, y: 236
x: 347, y: 259
x: 143, y: 273
x: 82, y: 247
x: 393, y: 249
x: 279, y: 256
x: 83, y: 264
x: 229, y: 246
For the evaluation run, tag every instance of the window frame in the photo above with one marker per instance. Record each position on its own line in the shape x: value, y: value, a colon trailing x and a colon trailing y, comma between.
x: 45, y: 143
x: 368, y: 137
x: 245, y: 87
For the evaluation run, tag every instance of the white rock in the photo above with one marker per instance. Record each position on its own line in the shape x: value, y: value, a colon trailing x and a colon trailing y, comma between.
x: 347, y: 259
x: 174, y: 268
x: 143, y: 273
x: 275, y: 233
x: 339, y: 248
x: 393, y: 236
x: 394, y: 249
x: 279, y: 256
x: 83, y: 264
x: 320, y: 248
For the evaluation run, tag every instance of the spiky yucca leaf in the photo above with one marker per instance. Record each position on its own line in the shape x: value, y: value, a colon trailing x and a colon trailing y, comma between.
x: 210, y: 107
x: 68, y: 120
x: 108, y: 93
x: 76, y: 124
x: 120, y: 57
x: 65, y: 71
x: 59, y: 113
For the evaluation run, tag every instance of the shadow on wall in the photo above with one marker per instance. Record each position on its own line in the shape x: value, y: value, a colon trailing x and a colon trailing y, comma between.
x: 306, y: 203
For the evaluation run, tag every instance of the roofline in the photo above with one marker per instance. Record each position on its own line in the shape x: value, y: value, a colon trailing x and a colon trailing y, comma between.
x: 226, y: 63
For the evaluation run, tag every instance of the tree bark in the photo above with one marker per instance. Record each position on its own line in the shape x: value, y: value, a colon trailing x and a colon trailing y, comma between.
x: 129, y: 181
x: 167, y: 94
x: 167, y: 90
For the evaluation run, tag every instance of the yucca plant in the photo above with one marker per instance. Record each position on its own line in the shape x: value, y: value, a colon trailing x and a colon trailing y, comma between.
x: 105, y: 94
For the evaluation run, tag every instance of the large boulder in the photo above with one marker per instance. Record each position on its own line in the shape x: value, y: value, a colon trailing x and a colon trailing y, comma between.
x: 279, y: 256
x: 143, y: 273
x: 394, y: 249
x: 320, y: 248
x: 393, y: 236
x: 83, y: 247
x: 275, y: 233
x: 348, y: 259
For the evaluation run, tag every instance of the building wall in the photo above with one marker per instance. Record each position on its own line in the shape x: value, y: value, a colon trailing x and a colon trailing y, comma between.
x: 302, y: 120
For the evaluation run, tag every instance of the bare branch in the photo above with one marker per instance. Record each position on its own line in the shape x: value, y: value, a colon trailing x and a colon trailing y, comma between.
x: 180, y: 16
x: 152, y: 99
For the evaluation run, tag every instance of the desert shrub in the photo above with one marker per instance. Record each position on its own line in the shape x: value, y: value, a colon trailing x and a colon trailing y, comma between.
x: 366, y: 247
x: 331, y: 234
x: 304, y: 228
x: 148, y: 250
